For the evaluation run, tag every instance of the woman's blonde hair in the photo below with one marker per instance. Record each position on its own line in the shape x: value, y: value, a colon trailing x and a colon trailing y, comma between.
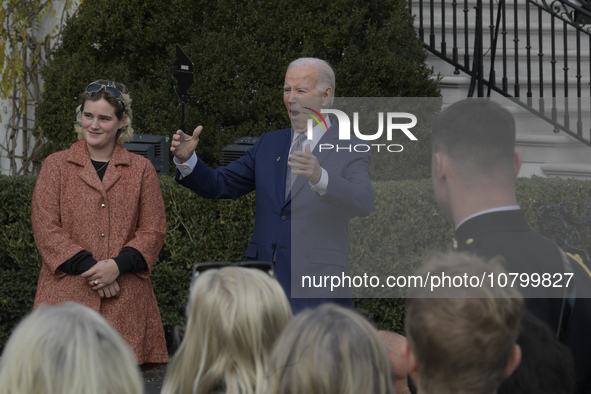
x: 234, y: 316
x: 67, y: 349
x: 329, y: 350
x: 126, y: 132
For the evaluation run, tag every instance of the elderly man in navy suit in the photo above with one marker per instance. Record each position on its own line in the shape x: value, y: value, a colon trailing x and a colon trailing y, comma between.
x: 305, y: 196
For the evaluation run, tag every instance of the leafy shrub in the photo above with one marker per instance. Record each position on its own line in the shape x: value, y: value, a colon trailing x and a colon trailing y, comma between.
x: 405, y: 225
x: 19, y: 260
x: 240, y: 51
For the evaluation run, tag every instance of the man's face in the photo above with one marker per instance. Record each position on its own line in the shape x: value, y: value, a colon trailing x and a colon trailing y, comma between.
x: 300, y: 90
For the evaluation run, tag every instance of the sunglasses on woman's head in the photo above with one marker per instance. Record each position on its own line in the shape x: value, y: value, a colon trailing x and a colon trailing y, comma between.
x: 109, y: 88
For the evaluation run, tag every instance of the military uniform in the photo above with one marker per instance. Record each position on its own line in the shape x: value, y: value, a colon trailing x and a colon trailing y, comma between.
x: 506, y: 233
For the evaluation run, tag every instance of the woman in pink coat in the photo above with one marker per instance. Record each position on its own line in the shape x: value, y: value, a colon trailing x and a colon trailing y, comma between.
x: 99, y: 223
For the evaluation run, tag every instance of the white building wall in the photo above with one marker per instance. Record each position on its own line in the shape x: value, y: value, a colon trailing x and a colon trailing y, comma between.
x: 52, y: 18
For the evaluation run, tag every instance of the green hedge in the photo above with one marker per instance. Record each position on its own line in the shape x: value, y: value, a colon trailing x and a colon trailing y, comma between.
x: 404, y: 225
x: 240, y: 50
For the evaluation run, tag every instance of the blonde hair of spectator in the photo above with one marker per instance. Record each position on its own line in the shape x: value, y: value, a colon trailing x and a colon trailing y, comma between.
x: 67, y: 349
x: 234, y: 316
x: 329, y: 350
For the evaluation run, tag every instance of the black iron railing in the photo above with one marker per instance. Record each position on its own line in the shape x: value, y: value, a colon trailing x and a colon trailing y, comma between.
x: 511, y: 46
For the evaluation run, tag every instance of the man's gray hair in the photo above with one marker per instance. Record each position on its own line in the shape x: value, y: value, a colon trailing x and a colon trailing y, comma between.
x: 326, y: 76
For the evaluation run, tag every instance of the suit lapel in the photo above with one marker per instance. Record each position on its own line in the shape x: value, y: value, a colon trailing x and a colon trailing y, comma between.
x: 281, y: 165
x: 329, y: 137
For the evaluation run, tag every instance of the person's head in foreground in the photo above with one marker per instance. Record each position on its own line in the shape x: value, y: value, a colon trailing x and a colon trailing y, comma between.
x: 67, y: 349
x: 329, y: 350
x: 234, y: 316
x: 461, y: 339
x: 474, y: 164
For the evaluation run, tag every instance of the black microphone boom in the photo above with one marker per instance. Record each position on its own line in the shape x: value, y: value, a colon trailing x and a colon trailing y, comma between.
x: 182, y: 71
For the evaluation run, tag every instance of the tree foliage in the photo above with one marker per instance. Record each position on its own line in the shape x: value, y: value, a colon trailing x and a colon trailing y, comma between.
x: 24, y: 49
x: 240, y: 51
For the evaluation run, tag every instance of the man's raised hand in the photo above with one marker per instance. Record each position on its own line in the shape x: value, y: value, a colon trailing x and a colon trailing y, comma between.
x: 183, y: 145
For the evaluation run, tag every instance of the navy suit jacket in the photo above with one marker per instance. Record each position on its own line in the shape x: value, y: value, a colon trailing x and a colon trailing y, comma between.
x: 305, y: 234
